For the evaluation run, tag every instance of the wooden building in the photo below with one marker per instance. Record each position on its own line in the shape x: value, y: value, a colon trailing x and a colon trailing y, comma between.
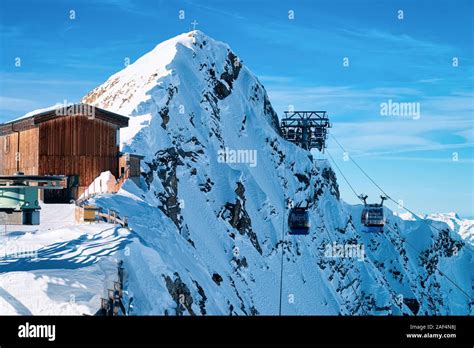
x: 129, y: 167
x: 79, y: 141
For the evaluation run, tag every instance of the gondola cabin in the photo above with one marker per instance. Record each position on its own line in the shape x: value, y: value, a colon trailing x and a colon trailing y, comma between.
x: 291, y: 134
x: 298, y: 221
x: 77, y: 141
x: 372, y: 217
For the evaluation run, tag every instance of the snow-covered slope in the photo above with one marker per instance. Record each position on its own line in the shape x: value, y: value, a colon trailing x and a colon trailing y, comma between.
x: 207, y: 229
x: 58, y: 267
x: 464, y: 227
x: 218, y: 226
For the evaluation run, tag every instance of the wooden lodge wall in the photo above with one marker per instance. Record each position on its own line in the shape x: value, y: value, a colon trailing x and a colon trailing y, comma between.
x: 70, y: 145
x: 28, y: 152
x: 78, y: 146
x: 130, y: 165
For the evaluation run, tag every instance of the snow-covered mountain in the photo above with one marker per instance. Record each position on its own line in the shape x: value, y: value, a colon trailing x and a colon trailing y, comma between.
x: 209, y: 220
x: 464, y: 227
x: 216, y: 235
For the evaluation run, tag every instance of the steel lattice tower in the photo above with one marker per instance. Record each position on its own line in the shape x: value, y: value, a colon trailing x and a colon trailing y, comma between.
x: 307, y: 129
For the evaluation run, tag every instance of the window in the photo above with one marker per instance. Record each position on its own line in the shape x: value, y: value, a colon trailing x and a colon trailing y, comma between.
x: 117, y: 137
x: 6, y: 144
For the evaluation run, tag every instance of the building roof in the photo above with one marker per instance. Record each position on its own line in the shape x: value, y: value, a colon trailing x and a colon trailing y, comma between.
x: 131, y: 155
x: 31, y: 120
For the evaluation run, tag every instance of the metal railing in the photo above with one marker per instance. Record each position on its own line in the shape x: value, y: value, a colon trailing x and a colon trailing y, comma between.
x: 94, y: 214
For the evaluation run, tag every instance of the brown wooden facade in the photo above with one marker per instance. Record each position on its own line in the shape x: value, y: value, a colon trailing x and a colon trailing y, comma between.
x: 76, y: 144
x: 129, y: 167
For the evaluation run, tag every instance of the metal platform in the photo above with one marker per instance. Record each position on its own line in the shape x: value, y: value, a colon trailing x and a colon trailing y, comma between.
x: 19, y: 204
x: 45, y: 178
x: 22, y: 217
x: 307, y: 129
x: 41, y: 182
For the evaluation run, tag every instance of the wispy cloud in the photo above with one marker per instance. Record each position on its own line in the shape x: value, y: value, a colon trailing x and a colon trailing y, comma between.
x: 29, y: 79
x: 345, y: 39
x: 143, y: 8
x: 432, y: 147
x: 344, y: 102
x: 402, y: 136
x: 403, y: 41
x: 430, y: 81
x: 275, y: 78
x: 215, y: 10
x: 425, y: 159
x: 10, y: 31
x: 17, y: 104
x: 356, y: 117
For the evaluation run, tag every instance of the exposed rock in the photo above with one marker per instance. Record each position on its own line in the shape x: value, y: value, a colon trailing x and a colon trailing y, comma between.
x: 180, y: 293
x: 202, y: 302
x: 412, y: 304
x: 217, y: 278
x: 238, y: 217
x: 223, y: 87
x: 330, y: 177
x: 165, y: 165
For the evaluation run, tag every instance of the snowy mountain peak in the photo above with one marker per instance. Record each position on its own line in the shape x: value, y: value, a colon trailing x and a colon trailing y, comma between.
x: 450, y: 215
x: 188, y: 71
x: 127, y: 88
x: 211, y: 214
x: 463, y: 227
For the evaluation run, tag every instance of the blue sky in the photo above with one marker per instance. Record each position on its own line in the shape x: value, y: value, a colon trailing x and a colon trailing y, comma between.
x: 300, y: 62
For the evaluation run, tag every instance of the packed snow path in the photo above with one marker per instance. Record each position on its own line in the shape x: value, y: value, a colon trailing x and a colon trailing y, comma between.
x: 58, y: 267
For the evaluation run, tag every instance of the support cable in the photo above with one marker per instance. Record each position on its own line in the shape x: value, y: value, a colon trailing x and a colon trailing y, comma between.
x: 282, y: 241
x: 340, y: 171
x: 436, y: 266
x: 411, y: 245
x: 386, y: 194
x: 348, y: 276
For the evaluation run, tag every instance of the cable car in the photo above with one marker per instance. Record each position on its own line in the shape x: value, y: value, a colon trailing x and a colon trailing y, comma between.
x: 372, y: 216
x: 298, y: 221
x: 291, y: 134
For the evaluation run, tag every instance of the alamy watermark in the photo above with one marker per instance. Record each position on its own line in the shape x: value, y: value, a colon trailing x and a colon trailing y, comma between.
x: 232, y: 156
x: 401, y: 109
x: 335, y: 250
x: 20, y: 253
x: 37, y: 331
x: 66, y: 109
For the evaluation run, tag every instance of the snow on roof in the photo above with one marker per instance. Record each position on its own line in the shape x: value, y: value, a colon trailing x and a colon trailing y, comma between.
x: 65, y: 109
x: 39, y: 111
